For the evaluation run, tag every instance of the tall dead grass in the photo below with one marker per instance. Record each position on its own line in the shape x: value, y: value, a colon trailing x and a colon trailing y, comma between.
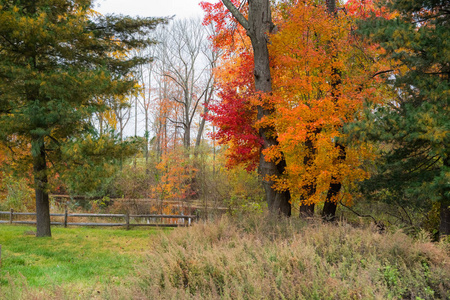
x: 261, y: 258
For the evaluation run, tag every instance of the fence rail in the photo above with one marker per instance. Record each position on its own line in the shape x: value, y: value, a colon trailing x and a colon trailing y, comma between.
x: 196, y: 204
x: 126, y: 217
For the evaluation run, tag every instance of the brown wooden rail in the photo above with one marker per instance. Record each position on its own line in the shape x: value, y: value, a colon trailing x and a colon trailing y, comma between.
x: 126, y: 218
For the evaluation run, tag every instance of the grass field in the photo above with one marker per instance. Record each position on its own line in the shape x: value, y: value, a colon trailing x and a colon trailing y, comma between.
x: 254, y: 257
x: 86, y: 258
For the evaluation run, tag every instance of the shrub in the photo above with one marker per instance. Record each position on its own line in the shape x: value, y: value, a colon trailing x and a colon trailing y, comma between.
x: 19, y: 196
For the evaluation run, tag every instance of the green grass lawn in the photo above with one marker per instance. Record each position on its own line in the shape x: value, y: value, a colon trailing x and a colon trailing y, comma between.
x: 84, y: 257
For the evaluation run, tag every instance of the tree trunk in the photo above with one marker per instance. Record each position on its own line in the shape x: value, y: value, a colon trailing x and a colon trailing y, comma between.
x: 121, y: 129
x: 146, y: 108
x: 208, y: 96
x: 135, y: 126
x: 444, y: 226
x: 147, y: 139
x: 258, y: 25
x: 201, y: 128
x: 308, y: 210
x: 278, y: 202
x: 187, y: 137
x: 100, y: 121
x: 40, y: 181
x: 330, y: 205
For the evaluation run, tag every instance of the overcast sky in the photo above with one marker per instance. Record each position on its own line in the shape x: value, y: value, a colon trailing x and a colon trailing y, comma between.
x: 150, y: 8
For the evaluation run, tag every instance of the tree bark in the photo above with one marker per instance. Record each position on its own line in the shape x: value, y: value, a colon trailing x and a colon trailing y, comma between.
x: 146, y: 108
x: 308, y: 210
x: 208, y: 96
x: 40, y: 181
x: 258, y: 25
x: 187, y: 130
x: 330, y: 205
x: 201, y: 128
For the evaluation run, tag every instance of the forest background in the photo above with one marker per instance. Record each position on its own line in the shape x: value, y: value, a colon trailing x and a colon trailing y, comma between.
x: 356, y: 118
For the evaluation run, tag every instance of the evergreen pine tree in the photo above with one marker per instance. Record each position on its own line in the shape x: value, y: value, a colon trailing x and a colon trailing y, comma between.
x: 413, y: 129
x: 57, y: 59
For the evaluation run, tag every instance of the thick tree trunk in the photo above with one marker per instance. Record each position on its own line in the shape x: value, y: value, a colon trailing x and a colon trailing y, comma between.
x: 258, y: 25
x: 42, y: 201
x: 278, y: 202
x: 330, y: 205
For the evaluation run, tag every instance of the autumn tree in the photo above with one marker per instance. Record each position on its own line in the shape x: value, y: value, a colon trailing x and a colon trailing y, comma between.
x: 412, y: 126
x: 256, y: 20
x: 322, y: 74
x: 56, y: 60
x: 185, y: 60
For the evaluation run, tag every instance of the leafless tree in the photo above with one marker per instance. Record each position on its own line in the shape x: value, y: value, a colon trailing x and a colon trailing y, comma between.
x: 187, y: 62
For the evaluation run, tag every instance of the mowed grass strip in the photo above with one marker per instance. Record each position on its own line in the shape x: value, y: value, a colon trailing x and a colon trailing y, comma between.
x: 81, y: 256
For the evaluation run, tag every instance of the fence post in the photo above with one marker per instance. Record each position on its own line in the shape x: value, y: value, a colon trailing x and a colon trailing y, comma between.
x: 127, y: 220
x: 65, y: 216
x: 11, y: 216
x: 189, y: 222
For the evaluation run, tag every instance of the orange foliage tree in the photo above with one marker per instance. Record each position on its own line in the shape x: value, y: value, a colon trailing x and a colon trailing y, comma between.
x: 309, y: 109
x: 175, y: 173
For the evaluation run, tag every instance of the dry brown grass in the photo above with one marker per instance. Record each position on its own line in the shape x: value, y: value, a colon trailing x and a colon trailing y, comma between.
x: 260, y: 258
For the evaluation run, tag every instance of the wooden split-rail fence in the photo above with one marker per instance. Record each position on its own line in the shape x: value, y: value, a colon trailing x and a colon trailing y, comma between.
x: 186, y: 220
